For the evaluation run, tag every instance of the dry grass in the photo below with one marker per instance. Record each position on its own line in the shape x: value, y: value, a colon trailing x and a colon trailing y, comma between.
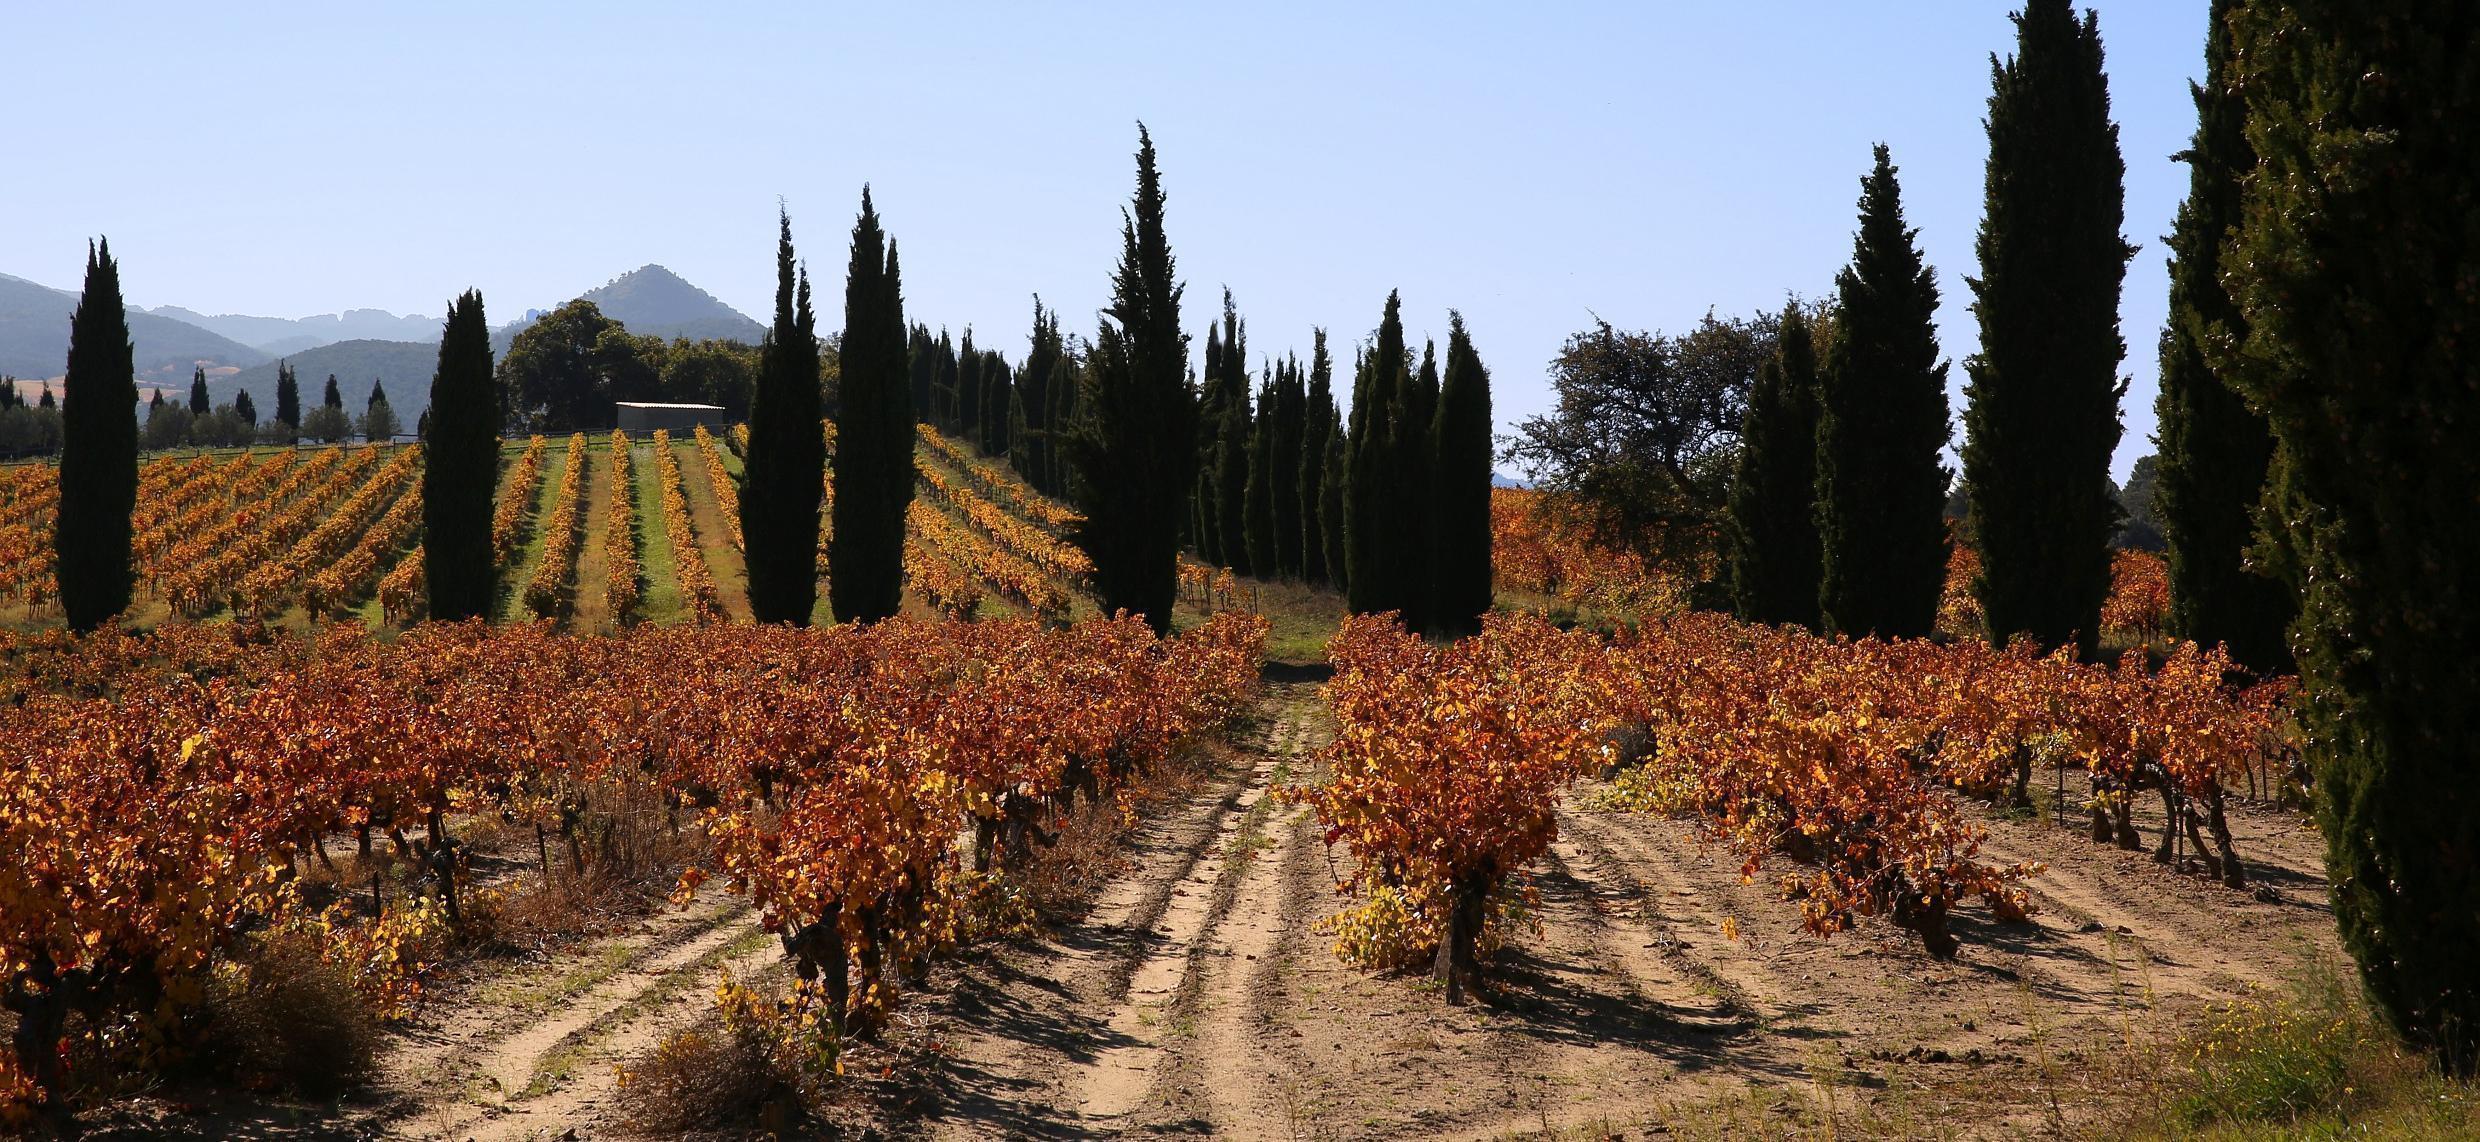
x: 279, y: 1015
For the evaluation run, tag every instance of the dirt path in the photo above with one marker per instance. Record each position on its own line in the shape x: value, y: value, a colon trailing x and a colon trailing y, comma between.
x: 1201, y: 995
x: 533, y: 1054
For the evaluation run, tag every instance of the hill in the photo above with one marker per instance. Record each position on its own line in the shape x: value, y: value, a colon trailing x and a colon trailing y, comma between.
x: 405, y: 366
x: 654, y: 301
x: 281, y: 335
x: 34, y: 337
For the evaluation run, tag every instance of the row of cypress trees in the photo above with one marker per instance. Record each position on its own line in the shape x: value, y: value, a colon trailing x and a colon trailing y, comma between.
x: 1837, y: 514
x: 2319, y: 412
x: 1839, y: 495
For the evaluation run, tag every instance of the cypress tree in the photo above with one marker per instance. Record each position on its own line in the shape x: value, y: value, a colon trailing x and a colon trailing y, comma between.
x: 245, y: 408
x: 1067, y: 383
x: 1258, y: 511
x: 1033, y: 389
x: 288, y: 402
x: 460, y: 468
x: 1290, y: 429
x: 1319, y: 429
x: 199, y: 405
x: 1460, y: 582
x: 98, y: 452
x: 45, y: 400
x: 998, y: 403
x: 969, y: 390
x: 2215, y: 451
x: 1414, y: 511
x: 2354, y: 270
x: 943, y: 386
x: 378, y: 395
x: 335, y: 397
x: 1135, y: 453
x: 874, y: 473
x: 1231, y: 446
x: 922, y: 359
x: 10, y: 399
x: 1371, y: 529
x: 1334, y: 544
x: 1881, y: 421
x: 2044, y: 389
x: 1205, y: 531
x: 1774, y: 557
x: 786, y: 462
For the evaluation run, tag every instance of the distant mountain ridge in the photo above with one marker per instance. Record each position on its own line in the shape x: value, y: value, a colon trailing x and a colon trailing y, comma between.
x: 281, y: 335
x: 34, y: 337
x: 172, y: 340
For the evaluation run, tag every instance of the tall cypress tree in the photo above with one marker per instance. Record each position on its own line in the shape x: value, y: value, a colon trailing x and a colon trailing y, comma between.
x: 1334, y: 544
x: 245, y: 408
x: 922, y: 361
x: 1205, y: 528
x: 1460, y: 583
x: 334, y: 397
x: 2044, y: 390
x: 1231, y: 446
x: 1774, y: 557
x: 1881, y: 422
x: 1372, y: 532
x: 460, y: 468
x: 874, y: 473
x: 1033, y: 389
x: 998, y: 404
x: 98, y: 452
x: 1290, y: 429
x: 1415, y: 510
x: 1067, y: 385
x: 1265, y: 561
x: 199, y: 403
x: 1135, y: 453
x: 786, y: 465
x: 288, y: 402
x: 943, y: 387
x: 969, y: 390
x: 2215, y: 451
x: 2354, y: 269
x: 1320, y: 428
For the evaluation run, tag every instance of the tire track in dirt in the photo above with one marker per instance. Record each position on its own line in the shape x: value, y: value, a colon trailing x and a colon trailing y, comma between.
x: 590, y: 1055
x: 1053, y: 1033
x: 1157, y: 1002
x: 1680, y: 908
x: 1218, y: 1070
x: 482, y: 1057
x: 2181, y: 933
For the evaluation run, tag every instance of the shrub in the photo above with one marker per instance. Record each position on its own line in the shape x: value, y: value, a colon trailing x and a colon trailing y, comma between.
x: 283, y: 1014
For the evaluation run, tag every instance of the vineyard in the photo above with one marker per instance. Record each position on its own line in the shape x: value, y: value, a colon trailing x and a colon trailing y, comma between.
x: 1039, y: 873
x: 593, y: 535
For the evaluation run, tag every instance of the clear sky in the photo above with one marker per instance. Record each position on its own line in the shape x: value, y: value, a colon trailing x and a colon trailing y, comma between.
x: 1530, y: 164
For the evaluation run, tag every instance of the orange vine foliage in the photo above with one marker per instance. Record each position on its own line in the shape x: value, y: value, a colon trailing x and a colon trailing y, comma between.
x: 2139, y: 599
x: 161, y: 785
x: 1534, y: 551
x: 620, y: 584
x: 697, y: 586
x: 727, y: 494
x: 544, y: 592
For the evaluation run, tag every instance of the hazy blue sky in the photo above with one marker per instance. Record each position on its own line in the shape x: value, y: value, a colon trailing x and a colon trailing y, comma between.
x: 1529, y: 164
